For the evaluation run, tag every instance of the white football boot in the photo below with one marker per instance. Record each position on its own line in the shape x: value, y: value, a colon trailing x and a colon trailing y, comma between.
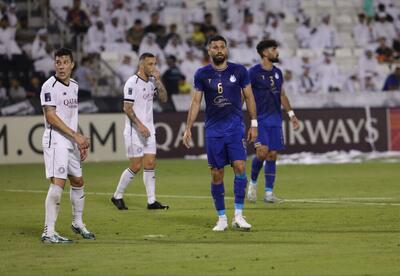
x: 222, y: 224
x: 252, y: 192
x: 239, y: 222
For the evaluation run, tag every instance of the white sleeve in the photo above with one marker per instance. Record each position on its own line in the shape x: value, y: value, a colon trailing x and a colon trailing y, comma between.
x: 48, y: 96
x: 129, y: 92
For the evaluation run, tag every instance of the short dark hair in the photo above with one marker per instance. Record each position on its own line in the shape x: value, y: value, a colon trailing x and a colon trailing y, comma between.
x: 265, y: 44
x: 146, y: 55
x: 216, y: 38
x: 64, y: 52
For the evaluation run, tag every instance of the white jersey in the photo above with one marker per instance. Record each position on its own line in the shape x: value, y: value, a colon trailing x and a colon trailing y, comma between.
x: 141, y: 94
x: 65, y: 99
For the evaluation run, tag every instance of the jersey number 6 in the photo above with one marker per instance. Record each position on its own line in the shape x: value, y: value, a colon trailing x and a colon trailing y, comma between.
x: 220, y: 88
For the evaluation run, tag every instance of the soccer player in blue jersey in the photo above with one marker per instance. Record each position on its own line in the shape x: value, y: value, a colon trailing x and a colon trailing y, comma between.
x: 266, y: 82
x: 223, y: 83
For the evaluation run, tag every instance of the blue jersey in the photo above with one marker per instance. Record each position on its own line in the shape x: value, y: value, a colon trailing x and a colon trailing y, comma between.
x: 222, y: 93
x: 267, y: 85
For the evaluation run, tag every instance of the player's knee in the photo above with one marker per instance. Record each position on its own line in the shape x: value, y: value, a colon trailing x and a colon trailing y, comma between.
x: 272, y: 155
x: 239, y: 167
x: 135, y: 167
x: 262, y: 153
x: 217, y: 176
x: 150, y: 164
x: 77, y: 182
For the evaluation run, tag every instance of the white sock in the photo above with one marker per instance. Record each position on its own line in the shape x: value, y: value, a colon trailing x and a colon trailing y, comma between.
x: 126, y: 177
x: 238, y: 212
x: 52, y: 207
x: 149, y: 180
x: 77, y: 197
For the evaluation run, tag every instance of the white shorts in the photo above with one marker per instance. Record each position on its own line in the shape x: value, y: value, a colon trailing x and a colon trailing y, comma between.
x: 61, y: 162
x: 136, y: 146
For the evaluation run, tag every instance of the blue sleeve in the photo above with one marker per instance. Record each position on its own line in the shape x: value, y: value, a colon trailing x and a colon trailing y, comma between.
x: 244, y: 77
x: 198, y: 81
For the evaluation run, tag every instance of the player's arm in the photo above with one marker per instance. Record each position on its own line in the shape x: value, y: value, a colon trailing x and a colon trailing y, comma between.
x: 128, y: 109
x: 192, y: 115
x: 286, y: 105
x: 55, y: 121
x: 251, y: 108
x: 161, y: 91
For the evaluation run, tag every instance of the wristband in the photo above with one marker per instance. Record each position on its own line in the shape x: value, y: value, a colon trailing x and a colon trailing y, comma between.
x: 291, y: 114
x: 254, y: 123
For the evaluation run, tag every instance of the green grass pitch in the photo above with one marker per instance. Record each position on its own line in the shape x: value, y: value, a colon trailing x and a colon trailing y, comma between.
x: 337, y: 220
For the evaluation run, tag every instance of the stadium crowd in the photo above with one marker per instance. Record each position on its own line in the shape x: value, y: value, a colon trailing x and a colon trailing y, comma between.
x: 315, y: 56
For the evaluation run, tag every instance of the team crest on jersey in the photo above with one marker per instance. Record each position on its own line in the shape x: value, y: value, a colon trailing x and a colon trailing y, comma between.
x: 277, y: 76
x: 47, y: 97
x: 130, y: 91
x: 232, y: 78
x: 139, y: 150
x: 61, y: 170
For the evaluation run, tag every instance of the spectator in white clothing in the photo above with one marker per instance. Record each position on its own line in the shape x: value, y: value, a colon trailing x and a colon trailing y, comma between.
x: 125, y: 69
x: 290, y: 83
x: 362, y: 32
x: 384, y: 28
x: 329, y: 74
x: 250, y: 28
x: 115, y: 36
x: 303, y: 33
x: 274, y: 31
x: 149, y: 45
x: 233, y: 34
x: 96, y: 37
x: 175, y: 48
x: 326, y: 35
x: 190, y: 66
x: 307, y: 82
x: 40, y: 45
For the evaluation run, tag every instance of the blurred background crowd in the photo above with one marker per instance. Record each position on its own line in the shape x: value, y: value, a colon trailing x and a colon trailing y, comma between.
x: 326, y: 47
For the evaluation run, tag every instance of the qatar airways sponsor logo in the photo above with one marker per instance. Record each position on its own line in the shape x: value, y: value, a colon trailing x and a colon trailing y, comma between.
x: 71, y: 103
x: 332, y: 131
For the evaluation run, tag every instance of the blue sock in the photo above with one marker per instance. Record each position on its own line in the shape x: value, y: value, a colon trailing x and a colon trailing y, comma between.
x: 239, y: 190
x: 256, y: 166
x: 218, y: 194
x: 270, y: 170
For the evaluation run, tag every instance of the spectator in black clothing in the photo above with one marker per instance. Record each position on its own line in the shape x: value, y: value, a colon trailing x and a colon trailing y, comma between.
x: 208, y: 26
x: 16, y: 91
x: 172, y: 77
x: 135, y: 34
x: 156, y: 28
x: 77, y: 18
x: 34, y: 87
x: 384, y: 52
x: 173, y: 32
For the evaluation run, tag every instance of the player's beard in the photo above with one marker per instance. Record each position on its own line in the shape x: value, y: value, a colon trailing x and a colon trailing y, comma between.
x: 274, y: 59
x: 218, y: 60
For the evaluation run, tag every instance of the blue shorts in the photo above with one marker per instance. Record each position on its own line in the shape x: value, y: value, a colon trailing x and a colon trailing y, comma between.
x: 222, y: 151
x: 271, y: 137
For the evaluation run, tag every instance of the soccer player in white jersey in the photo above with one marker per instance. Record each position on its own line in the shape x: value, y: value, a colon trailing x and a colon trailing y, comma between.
x: 139, y: 132
x: 63, y: 147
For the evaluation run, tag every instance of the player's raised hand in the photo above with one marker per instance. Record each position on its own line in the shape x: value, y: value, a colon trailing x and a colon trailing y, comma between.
x: 252, y: 134
x: 156, y: 74
x: 83, y: 153
x: 295, y: 122
x: 82, y: 141
x: 187, y: 138
x: 144, y: 131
